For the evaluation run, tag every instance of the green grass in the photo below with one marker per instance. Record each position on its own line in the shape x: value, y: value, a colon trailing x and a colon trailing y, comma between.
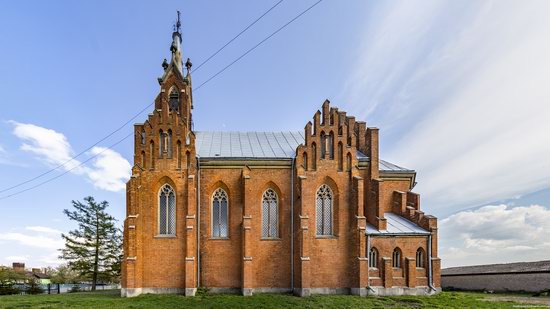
x: 112, y: 299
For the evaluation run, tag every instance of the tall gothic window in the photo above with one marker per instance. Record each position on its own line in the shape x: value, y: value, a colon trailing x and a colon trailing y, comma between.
x: 162, y: 143
x: 270, y: 214
x: 373, y: 258
x: 324, y: 211
x: 152, y: 153
x: 220, y: 218
x: 142, y: 135
x: 348, y: 162
x: 396, y: 258
x: 313, y: 156
x: 167, y: 210
x: 304, y: 158
x: 420, y: 258
x: 178, y: 153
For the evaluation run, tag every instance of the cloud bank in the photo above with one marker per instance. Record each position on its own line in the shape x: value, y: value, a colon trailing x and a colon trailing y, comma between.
x: 460, y: 92
x: 108, y: 171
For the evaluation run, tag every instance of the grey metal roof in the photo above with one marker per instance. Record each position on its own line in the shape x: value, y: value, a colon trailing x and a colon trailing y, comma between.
x: 522, y: 267
x: 262, y: 145
x: 397, y: 225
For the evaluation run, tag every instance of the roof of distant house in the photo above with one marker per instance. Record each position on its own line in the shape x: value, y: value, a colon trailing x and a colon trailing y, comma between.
x: 521, y: 267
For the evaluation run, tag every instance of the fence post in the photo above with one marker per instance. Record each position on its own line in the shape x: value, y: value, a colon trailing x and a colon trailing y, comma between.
x: 58, y: 289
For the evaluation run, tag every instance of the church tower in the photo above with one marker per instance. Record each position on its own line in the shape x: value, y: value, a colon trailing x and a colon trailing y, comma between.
x: 158, y: 243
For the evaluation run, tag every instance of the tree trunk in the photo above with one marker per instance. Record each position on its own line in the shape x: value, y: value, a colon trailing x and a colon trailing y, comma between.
x: 96, y: 257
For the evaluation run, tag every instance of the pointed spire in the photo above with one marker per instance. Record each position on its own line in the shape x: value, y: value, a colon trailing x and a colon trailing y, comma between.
x: 175, y: 48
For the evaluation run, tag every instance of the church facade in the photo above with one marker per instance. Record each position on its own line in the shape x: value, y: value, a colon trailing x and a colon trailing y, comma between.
x: 311, y: 212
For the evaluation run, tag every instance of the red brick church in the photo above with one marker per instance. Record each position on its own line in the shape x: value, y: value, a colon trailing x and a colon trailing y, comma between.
x: 311, y: 212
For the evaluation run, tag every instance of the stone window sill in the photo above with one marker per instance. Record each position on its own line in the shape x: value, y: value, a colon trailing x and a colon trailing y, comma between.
x: 326, y: 237
x: 161, y: 236
x: 219, y: 238
x: 271, y: 238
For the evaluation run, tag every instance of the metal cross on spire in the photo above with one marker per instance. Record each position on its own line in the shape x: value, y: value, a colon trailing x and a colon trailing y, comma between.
x: 178, y: 23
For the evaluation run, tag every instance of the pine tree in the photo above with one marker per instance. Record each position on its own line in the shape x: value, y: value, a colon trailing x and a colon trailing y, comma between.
x: 94, y: 249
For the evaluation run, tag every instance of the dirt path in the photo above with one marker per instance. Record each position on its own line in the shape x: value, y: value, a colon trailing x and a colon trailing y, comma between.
x: 542, y: 302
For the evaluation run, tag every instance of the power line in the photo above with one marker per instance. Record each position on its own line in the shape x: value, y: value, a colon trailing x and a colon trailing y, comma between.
x: 79, y: 154
x: 67, y: 171
x: 260, y: 43
x: 235, y: 37
x: 140, y: 112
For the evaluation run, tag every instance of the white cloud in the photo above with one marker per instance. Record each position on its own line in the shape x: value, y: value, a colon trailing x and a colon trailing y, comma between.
x: 43, y: 229
x: 110, y: 170
x: 493, y: 234
x: 17, y: 258
x: 33, y: 241
x: 460, y: 92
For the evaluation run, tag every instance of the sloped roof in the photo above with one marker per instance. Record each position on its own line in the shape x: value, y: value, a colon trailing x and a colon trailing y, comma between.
x: 397, y: 225
x: 261, y: 146
x: 522, y: 267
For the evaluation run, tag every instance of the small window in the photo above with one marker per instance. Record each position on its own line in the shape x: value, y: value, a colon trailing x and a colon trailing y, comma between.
x: 323, y: 145
x: 348, y: 162
x: 167, y: 211
x: 220, y: 225
x: 373, y: 258
x: 178, y: 154
x: 420, y: 258
x: 270, y: 214
x: 324, y: 211
x: 173, y: 101
x: 340, y: 157
x: 304, y: 158
x: 330, y: 145
x: 162, y: 143
x: 188, y: 159
x: 143, y: 160
x: 142, y: 134
x: 313, y: 156
x: 169, y: 143
x: 152, y: 153
x: 396, y: 258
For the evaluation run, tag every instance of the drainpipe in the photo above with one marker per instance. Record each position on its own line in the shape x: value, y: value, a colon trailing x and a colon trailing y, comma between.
x: 292, y: 226
x: 430, y: 276
x: 198, y: 221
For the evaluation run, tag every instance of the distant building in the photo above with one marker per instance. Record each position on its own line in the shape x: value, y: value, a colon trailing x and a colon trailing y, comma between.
x: 513, y: 277
x: 35, y: 273
x: 307, y: 212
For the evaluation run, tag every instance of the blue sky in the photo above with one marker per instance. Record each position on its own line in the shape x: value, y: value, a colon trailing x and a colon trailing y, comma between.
x: 459, y: 91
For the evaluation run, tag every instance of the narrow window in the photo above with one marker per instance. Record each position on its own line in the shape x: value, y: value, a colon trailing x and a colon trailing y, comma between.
x: 142, y: 134
x: 323, y: 145
x: 162, y: 143
x: 173, y: 101
x: 169, y: 143
x: 270, y: 214
x: 340, y: 157
x: 330, y: 145
x: 220, y: 214
x: 304, y: 158
x: 143, y: 160
x: 167, y: 211
x: 373, y: 258
x: 396, y: 258
x: 313, y: 156
x: 179, y: 154
x: 152, y: 153
x: 188, y: 159
x: 324, y: 211
x: 348, y: 162
x: 420, y: 258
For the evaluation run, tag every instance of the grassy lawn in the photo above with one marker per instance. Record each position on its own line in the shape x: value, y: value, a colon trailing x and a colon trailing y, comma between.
x: 111, y: 299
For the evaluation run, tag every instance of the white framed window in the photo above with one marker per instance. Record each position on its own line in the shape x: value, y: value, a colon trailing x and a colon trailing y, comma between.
x: 420, y: 258
x: 167, y: 210
x: 220, y: 214
x: 323, y: 211
x: 270, y: 213
x: 396, y: 258
x: 373, y: 258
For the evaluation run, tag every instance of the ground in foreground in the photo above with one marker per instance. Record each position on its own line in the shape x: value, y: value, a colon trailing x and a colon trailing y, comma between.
x: 111, y: 299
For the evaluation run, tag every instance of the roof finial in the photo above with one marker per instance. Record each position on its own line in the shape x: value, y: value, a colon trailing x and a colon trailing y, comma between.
x: 178, y: 24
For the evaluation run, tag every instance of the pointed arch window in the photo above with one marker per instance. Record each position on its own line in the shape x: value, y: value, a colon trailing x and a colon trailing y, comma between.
x: 324, y: 211
x: 220, y: 217
x: 173, y: 101
x: 313, y: 156
x: 142, y: 135
x: 348, y: 162
x: 323, y: 145
x: 373, y: 258
x: 420, y: 258
x: 162, y: 143
x: 304, y: 159
x: 270, y: 213
x: 330, y: 145
x: 340, y: 157
x: 167, y: 211
x: 168, y: 143
x: 396, y: 258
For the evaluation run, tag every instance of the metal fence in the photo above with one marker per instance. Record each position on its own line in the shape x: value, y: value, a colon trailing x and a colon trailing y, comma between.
x: 55, y: 288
